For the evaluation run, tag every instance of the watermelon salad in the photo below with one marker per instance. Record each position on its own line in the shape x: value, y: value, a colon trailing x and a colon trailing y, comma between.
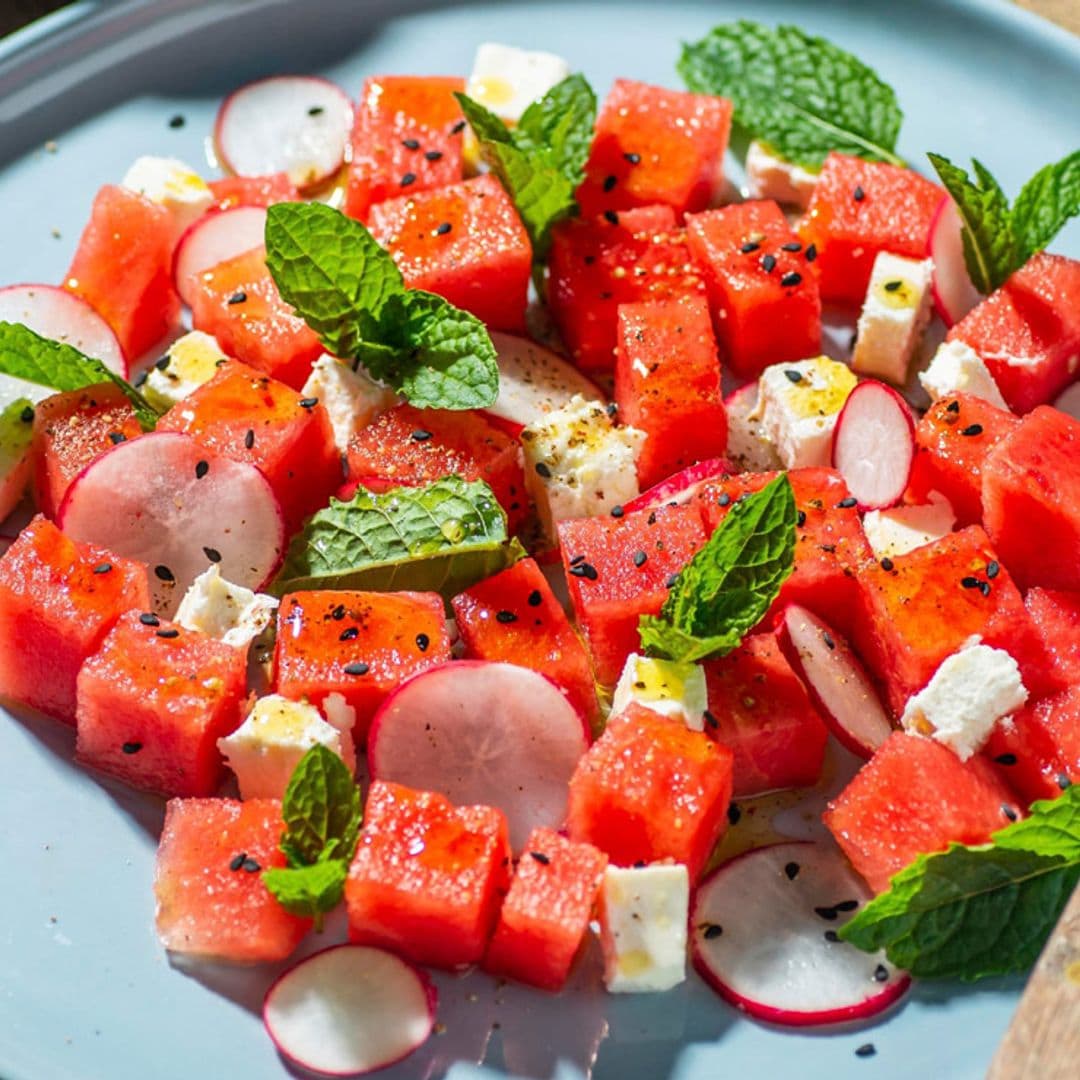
x: 456, y: 513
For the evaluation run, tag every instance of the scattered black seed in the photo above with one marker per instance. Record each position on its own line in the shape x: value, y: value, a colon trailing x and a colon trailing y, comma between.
x: 1009, y: 812
x: 577, y: 559
x: 617, y: 511
x: 829, y: 914
x: 505, y: 617
x: 828, y: 548
x: 308, y: 402
x: 117, y: 437
x: 792, y: 870
x: 422, y: 642
x: 1006, y: 759
x: 316, y: 110
x: 163, y: 573
x: 148, y: 618
x: 610, y: 182
x: 724, y: 500
x: 168, y: 633
x: 1062, y: 781
x: 237, y: 297
x: 969, y: 583
x: 407, y: 179
x: 357, y: 667
x: 811, y: 252
x: 848, y: 503
x: 992, y: 569
x: 634, y: 159
x: 102, y: 568
x: 881, y: 973
x: 652, y: 518
x: 27, y: 415
x: 711, y: 931
x: 792, y: 278
x: 793, y: 375
x: 846, y: 905
x: 163, y: 363
x: 858, y: 194
x: 892, y: 286
x: 420, y: 435
x: 640, y: 558
x: 212, y: 554
x: 131, y: 747
x: 535, y: 598
x: 350, y: 633
x: 886, y: 563
x: 733, y: 814
x: 984, y: 588
x: 791, y: 245
x: 866, y: 1050
x: 800, y: 518
x: 540, y: 857
x: 670, y: 583
x: 611, y: 217
x: 443, y: 229
x: 831, y: 936
x: 433, y: 155
x: 177, y: 121
x: 749, y: 246
x: 542, y: 470
x: 828, y: 639
x: 249, y: 439
x: 251, y: 866
x: 338, y: 613
x: 201, y: 469
x: 411, y: 144
x: 768, y: 263
x: 972, y: 429
x: 953, y: 406
x: 237, y: 861
x: 612, y: 408
x: 585, y: 570
x: 711, y: 720
x: 458, y: 128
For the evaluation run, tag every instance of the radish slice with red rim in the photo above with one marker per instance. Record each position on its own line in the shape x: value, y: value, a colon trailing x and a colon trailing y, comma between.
x: 164, y: 499
x: 683, y: 486
x: 213, y: 239
x: 874, y: 445
x: 838, y: 683
x: 60, y: 315
x: 481, y: 732
x: 954, y: 294
x: 296, y: 124
x: 349, y: 1010
x: 763, y: 936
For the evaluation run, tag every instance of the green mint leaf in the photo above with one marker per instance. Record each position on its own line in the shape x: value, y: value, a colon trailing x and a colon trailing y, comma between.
x: 487, y: 127
x: 29, y: 356
x: 1045, y: 203
x: 443, y: 538
x: 801, y: 94
x: 729, y: 585
x: 562, y: 122
x: 972, y: 912
x: 308, y: 891
x: 321, y: 810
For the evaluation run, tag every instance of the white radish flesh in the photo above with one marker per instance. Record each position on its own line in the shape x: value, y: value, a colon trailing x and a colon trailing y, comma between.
x: 480, y: 732
x: 681, y: 487
x: 349, y: 1010
x: 213, y: 239
x: 759, y: 927
x: 954, y: 294
x: 874, y: 445
x: 177, y: 506
x: 296, y: 124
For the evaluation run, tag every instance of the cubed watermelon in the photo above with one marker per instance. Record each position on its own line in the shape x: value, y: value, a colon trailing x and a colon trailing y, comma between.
x: 1056, y: 616
x: 230, y: 191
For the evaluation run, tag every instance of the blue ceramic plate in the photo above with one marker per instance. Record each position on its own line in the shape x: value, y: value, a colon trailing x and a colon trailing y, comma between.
x: 85, y: 990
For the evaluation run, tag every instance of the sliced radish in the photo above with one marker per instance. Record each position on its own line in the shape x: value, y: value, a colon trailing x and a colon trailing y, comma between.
x: 681, y: 487
x: 758, y: 938
x: 1068, y: 401
x: 348, y: 1010
x: 152, y: 499
x: 482, y: 732
x: 213, y: 239
x: 533, y: 381
x: 295, y: 124
x: 837, y: 681
x: 874, y: 445
x: 954, y: 294
x: 60, y: 315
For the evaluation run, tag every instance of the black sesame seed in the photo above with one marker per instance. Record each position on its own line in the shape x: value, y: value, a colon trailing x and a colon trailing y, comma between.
x: 733, y: 814
x: 1006, y: 759
x: 535, y: 598
x: 858, y: 194
x: 831, y: 936
x: 316, y: 110
x: 828, y: 639
x: 611, y: 217
x: 584, y: 570
x: 163, y: 363
x: 131, y: 747
x: 102, y: 568
x: 791, y: 245
x: 505, y: 617
x: 148, y: 618
x: 768, y: 263
x: 848, y: 503
x: 27, y: 415
x: 829, y: 914
x: 212, y: 554
x: 458, y: 128
x: 617, y: 511
x: 443, y: 229
x: 420, y: 435
x: 984, y: 588
x: 749, y: 246
x: 411, y: 144
x: 1063, y: 781
x: 792, y: 870
x: 201, y: 469
x: 811, y: 252
x: 540, y: 857
x: 422, y: 642
x: 886, y: 563
x: 846, y: 905
x: 866, y: 1050
x: 237, y: 298
x: 892, y: 286
x: 670, y: 583
x: 338, y: 613
x: 407, y: 179
x: 972, y: 429
x: 992, y: 569
x: 711, y: 720
x: 542, y: 470
x: 792, y: 278
x: 433, y: 155
x: 634, y: 159
x: 237, y: 861
x: 712, y: 931
x: 577, y: 559
x: 881, y: 973
x: 357, y: 667
x: 177, y: 121
x: 610, y: 182
x: 651, y: 520
x: 350, y: 633
x: 724, y: 500
x: 308, y: 402
x: 953, y: 406
x: 251, y: 866
x: 969, y: 583
x: 249, y: 439
x: 163, y: 573
x: 640, y: 558
x: 612, y: 408
x: 800, y: 518
x: 793, y: 375
x: 1009, y: 812
x: 117, y: 437
x: 828, y: 548
x: 168, y: 633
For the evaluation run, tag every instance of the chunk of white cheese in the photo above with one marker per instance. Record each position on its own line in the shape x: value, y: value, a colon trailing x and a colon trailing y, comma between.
x: 228, y: 612
x: 265, y: 749
x: 668, y: 687
x: 507, y: 80
x: 578, y: 463
x: 643, y: 918
x: 769, y: 176
x: 905, y: 528
x: 747, y: 447
x: 797, y: 407
x: 176, y: 186
x: 958, y: 369
x: 351, y: 398
x: 191, y: 360
x: 969, y: 693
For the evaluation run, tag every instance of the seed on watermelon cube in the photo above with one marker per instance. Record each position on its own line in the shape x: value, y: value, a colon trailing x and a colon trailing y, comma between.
x: 764, y: 295
x: 954, y: 438
x: 667, y: 384
x: 915, y: 797
x: 654, y: 145
x: 211, y: 900
x: 619, y: 569
x: 546, y: 912
x: 464, y: 242
x: 231, y: 191
x: 406, y: 138
x: 594, y: 266
x: 1031, y: 499
x: 358, y: 644
x: 247, y: 416
x: 428, y: 876
x: 1056, y: 616
x: 760, y: 710
x: 860, y: 208
x: 410, y: 447
x: 58, y: 600
x: 515, y: 617
x: 238, y: 303
x: 123, y: 268
x: 152, y: 703
x: 1028, y: 331
x: 70, y: 431
x: 650, y: 789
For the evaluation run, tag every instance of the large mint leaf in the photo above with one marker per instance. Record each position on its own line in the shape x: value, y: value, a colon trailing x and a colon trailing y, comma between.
x: 562, y: 123
x: 1045, y: 203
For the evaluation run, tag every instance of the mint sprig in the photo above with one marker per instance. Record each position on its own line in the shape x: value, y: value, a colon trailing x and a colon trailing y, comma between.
x: 801, y: 94
x: 972, y: 912
x: 998, y: 238
x: 27, y: 355
x: 351, y: 293
x: 729, y: 585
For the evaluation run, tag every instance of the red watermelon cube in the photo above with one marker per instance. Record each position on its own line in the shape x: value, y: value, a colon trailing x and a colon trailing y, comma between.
x: 428, y: 876
x: 232, y: 191
x: 1056, y: 616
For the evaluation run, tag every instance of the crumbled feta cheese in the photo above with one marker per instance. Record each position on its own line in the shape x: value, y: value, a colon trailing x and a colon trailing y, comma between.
x: 769, y: 176
x: 351, y: 398
x: 176, y: 186
x: 798, y: 404
x: 190, y: 361
x: 958, y: 369
x: 643, y: 917
x: 265, y: 749
x: 507, y: 80
x: 969, y: 693
x: 229, y: 612
x: 747, y: 447
x: 905, y: 528
x: 578, y: 463
x: 667, y: 687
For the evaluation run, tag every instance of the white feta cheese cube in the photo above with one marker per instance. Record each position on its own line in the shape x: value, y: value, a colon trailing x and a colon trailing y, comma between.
x: 797, y: 406
x: 969, y: 693
x: 507, y: 80
x: 228, y: 612
x: 747, y: 447
x: 191, y: 360
x: 351, y: 398
x: 958, y: 369
x: 905, y: 528
x: 176, y: 186
x: 643, y: 917
x: 265, y: 749
x: 667, y: 687
x: 578, y: 463
x: 893, y: 318
x: 769, y: 176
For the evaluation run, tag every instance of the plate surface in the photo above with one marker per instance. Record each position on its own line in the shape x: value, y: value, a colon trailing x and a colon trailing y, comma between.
x: 85, y: 990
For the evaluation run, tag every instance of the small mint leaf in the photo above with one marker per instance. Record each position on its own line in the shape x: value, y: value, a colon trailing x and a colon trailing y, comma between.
x: 308, y: 891
x: 1045, y: 203
x: 321, y: 809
